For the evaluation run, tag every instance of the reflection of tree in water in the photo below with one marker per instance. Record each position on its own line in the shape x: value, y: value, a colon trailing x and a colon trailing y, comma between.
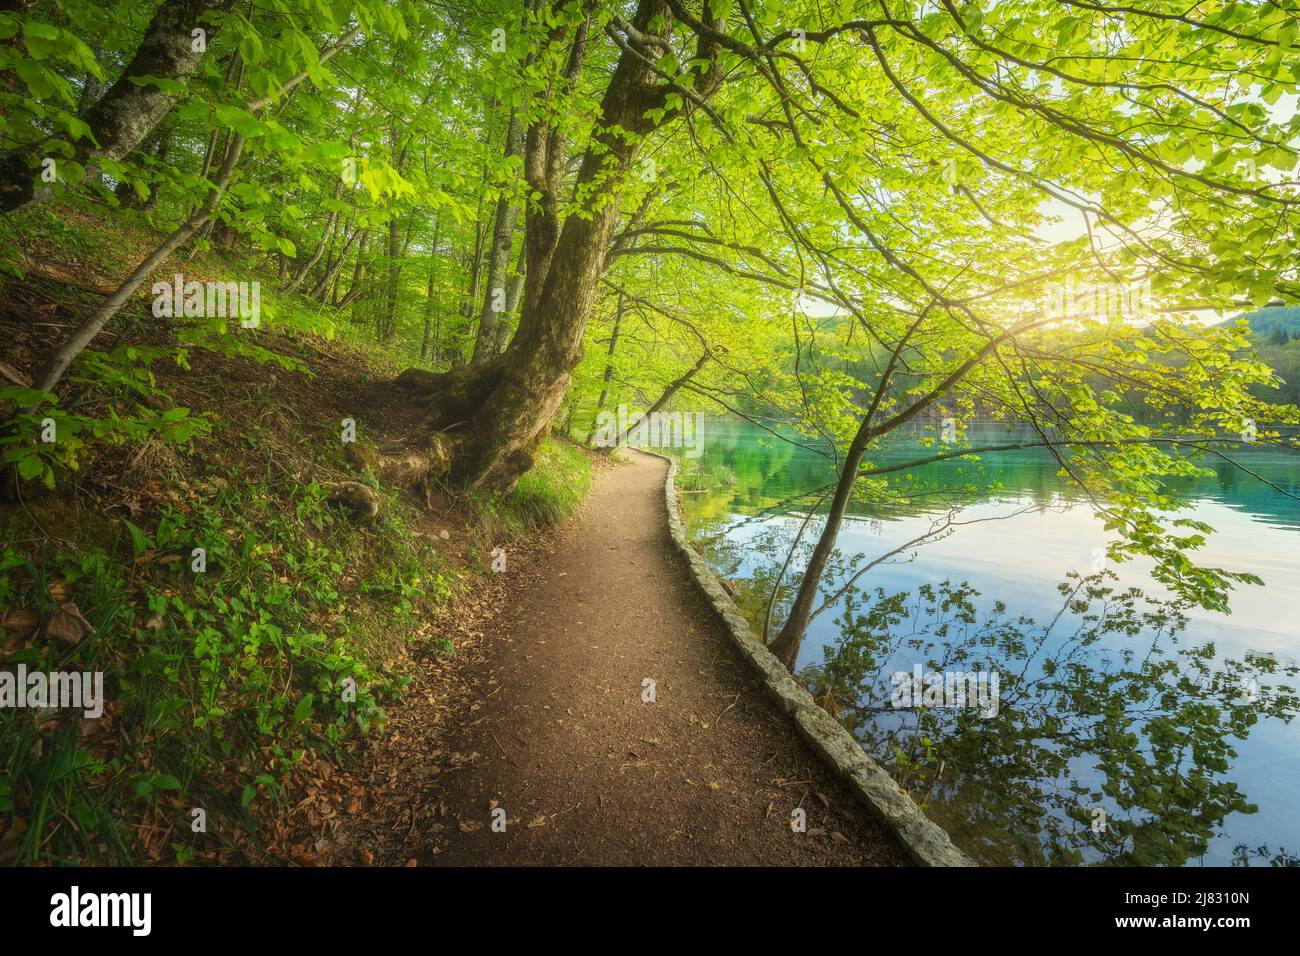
x: 1100, y: 707
x: 1144, y: 730
x: 1243, y: 855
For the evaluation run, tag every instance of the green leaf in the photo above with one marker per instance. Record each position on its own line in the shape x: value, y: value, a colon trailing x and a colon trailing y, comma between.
x: 241, y: 121
x: 140, y: 541
x: 30, y: 466
x: 40, y: 39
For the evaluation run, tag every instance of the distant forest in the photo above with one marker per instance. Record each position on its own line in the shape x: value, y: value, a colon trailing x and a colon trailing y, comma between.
x: 1275, y: 331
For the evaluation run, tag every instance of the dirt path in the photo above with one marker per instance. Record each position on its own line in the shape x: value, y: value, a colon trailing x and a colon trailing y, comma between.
x: 552, y: 728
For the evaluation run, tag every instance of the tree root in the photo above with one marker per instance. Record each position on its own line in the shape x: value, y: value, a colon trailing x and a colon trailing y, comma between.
x: 405, y: 466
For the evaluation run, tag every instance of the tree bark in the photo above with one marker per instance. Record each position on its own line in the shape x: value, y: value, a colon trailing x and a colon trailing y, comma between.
x: 505, y: 328
x: 120, y: 120
x: 494, y: 308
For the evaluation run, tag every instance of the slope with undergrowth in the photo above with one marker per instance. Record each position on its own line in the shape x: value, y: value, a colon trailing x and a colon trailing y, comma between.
x: 183, y: 536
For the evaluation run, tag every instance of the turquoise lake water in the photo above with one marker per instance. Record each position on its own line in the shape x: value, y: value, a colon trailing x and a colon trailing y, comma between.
x: 1180, y: 740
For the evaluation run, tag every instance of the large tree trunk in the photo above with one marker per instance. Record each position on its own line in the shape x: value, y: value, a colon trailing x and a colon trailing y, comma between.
x: 509, y: 402
x: 120, y: 120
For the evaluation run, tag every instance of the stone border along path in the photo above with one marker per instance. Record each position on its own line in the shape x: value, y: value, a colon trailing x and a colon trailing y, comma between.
x: 925, y: 841
x: 535, y: 744
x: 558, y: 746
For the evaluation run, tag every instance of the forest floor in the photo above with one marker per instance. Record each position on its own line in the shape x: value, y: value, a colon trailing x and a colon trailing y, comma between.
x: 541, y: 715
x: 520, y: 691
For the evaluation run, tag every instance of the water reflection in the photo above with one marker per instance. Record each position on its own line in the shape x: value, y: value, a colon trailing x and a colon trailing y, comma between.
x: 1114, y: 702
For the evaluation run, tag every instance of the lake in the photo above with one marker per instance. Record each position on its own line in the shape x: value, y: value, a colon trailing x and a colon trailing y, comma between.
x: 1126, y: 731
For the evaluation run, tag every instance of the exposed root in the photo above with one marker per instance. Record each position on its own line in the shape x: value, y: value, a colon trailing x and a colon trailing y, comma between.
x: 359, y: 500
x: 406, y: 466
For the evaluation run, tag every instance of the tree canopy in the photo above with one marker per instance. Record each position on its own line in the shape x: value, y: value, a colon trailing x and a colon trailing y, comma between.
x: 849, y: 216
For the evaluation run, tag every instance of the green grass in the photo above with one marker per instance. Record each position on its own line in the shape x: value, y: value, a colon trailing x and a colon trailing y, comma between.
x: 549, y: 493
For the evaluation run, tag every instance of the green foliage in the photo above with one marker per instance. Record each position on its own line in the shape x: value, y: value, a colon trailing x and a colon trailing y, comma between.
x: 1101, y: 707
x: 218, y: 681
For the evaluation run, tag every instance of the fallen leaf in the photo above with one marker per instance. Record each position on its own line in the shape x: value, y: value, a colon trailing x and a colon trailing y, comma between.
x: 67, y: 625
x: 21, y: 623
x: 537, y: 821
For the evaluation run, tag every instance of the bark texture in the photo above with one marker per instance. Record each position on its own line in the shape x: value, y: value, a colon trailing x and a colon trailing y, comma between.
x: 126, y: 114
x: 519, y: 392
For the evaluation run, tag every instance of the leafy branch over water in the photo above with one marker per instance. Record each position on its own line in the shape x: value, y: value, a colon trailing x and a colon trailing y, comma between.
x: 1100, y: 708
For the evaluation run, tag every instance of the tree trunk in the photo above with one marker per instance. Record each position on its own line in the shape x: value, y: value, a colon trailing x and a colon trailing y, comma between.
x: 387, y: 320
x: 673, y: 388
x: 428, y: 298
x: 358, y: 272
x: 609, y: 368
x: 321, y: 290
x: 786, y: 645
x: 512, y: 399
x: 327, y: 232
x: 120, y: 120
x: 505, y: 327
x: 52, y: 371
x: 503, y: 235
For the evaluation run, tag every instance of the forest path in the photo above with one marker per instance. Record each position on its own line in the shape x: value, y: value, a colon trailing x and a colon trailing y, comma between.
x: 554, y: 731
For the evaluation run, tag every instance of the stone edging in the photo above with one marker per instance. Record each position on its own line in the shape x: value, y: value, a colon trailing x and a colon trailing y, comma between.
x: 924, y: 840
